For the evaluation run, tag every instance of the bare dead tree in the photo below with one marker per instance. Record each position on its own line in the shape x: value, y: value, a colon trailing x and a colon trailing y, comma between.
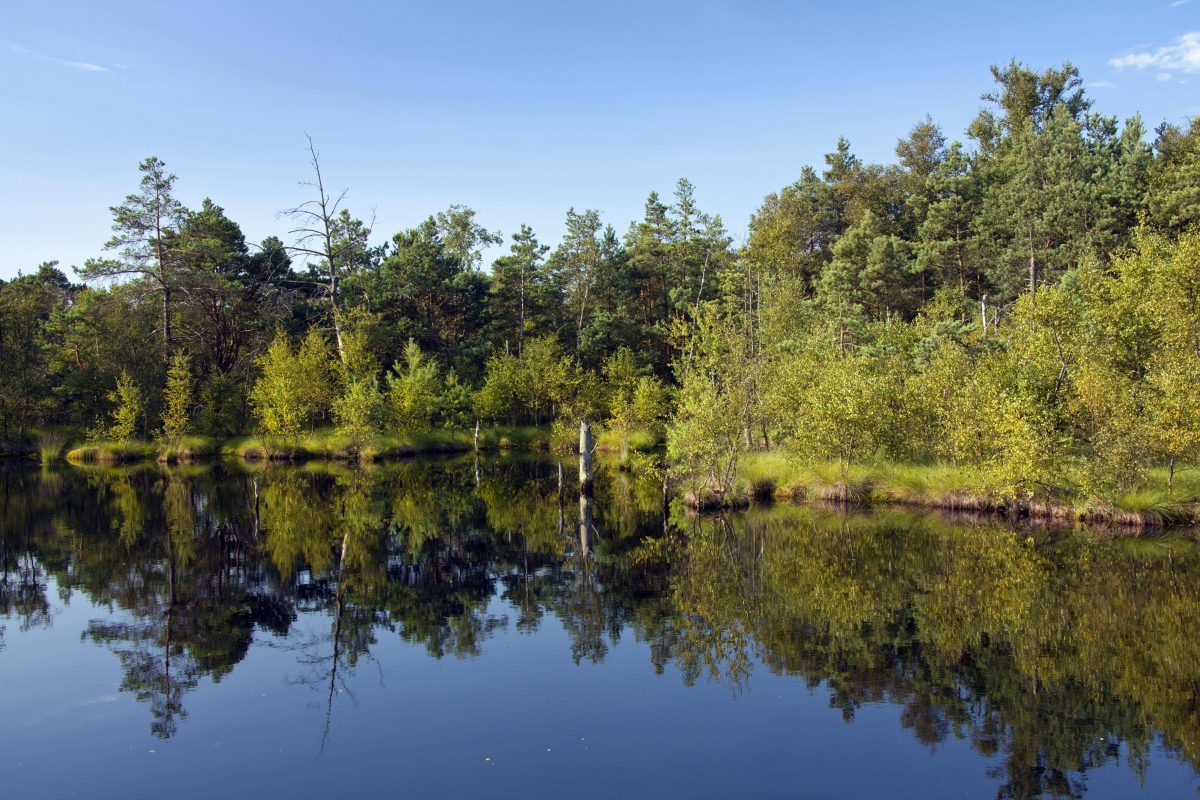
x: 317, y: 236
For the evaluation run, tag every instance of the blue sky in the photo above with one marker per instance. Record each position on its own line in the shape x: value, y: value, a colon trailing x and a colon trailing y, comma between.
x: 518, y: 109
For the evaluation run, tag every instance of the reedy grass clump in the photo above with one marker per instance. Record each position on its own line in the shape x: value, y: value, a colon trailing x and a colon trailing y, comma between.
x: 762, y: 474
x: 187, y: 449
x: 831, y: 482
x: 1151, y: 508
x: 50, y: 446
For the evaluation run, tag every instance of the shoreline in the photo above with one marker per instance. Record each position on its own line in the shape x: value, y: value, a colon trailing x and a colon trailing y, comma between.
x: 773, y: 478
x: 320, y: 445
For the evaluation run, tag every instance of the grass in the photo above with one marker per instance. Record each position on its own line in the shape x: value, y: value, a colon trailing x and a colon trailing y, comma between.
x: 323, y: 444
x: 1146, y: 508
x: 326, y: 444
x: 188, y: 449
x: 50, y: 445
x: 765, y: 474
x: 332, y: 445
x: 780, y: 474
x: 1185, y: 486
x: 113, y: 452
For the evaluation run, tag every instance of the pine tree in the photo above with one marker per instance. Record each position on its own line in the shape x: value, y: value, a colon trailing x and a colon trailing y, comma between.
x: 945, y: 243
x: 1175, y: 178
x: 521, y: 293
x: 142, y: 228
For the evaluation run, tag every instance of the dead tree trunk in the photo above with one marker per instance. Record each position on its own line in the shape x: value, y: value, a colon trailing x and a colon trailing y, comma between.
x: 585, y: 457
x: 585, y: 524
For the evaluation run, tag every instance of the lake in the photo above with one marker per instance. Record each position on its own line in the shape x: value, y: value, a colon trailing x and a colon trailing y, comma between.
x: 452, y: 628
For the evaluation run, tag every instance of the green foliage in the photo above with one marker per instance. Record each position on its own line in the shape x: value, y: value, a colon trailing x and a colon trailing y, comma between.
x: 535, y: 388
x: 26, y: 304
x: 359, y: 330
x: 453, y: 407
x: 844, y: 412
x: 177, y: 399
x: 413, y: 390
x: 221, y: 406
x: 993, y: 304
x: 142, y: 230
x: 294, y: 389
x: 709, y: 431
x: 1174, y: 193
x: 315, y: 374
x: 127, y: 408
x: 637, y: 405
x: 361, y: 410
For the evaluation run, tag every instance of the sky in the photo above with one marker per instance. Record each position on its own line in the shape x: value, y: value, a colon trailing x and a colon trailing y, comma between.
x: 520, y: 110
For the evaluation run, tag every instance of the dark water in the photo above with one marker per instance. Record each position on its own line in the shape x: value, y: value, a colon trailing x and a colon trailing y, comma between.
x: 424, y: 630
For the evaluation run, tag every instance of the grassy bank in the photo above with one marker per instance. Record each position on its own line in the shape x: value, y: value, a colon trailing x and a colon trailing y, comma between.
x: 336, y: 446
x: 187, y: 450
x: 782, y: 476
x: 328, y: 444
x: 317, y: 445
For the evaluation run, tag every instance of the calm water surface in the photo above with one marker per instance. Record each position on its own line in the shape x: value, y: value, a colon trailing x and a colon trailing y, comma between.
x: 447, y: 629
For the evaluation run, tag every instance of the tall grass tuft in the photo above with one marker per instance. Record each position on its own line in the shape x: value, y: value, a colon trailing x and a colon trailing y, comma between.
x: 50, y: 446
x: 829, y: 483
x: 1150, y: 508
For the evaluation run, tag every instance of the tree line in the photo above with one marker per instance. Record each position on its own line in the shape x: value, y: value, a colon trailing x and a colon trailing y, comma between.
x: 942, y: 260
x: 1026, y: 307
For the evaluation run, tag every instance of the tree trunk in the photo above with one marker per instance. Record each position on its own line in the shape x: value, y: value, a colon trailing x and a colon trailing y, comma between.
x: 585, y: 524
x: 585, y: 457
x: 962, y: 266
x: 337, y: 320
x: 1032, y: 265
x: 166, y: 316
x: 521, y: 330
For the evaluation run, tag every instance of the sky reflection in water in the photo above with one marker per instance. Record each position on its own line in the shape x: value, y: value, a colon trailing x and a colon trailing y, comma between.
x: 432, y: 628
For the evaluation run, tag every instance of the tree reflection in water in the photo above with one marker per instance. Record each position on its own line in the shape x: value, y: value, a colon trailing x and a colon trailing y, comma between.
x: 1051, y: 653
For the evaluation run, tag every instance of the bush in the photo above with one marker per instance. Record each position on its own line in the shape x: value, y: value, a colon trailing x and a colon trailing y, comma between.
x: 127, y: 408
x: 413, y: 390
x: 361, y: 411
x: 177, y: 399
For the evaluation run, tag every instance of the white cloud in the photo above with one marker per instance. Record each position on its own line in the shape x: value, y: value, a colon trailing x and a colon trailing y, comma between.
x: 1177, y: 3
x: 1182, y: 56
x: 1101, y: 85
x: 86, y: 66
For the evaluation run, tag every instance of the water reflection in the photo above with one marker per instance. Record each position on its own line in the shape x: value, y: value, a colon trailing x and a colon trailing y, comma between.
x: 1050, y: 654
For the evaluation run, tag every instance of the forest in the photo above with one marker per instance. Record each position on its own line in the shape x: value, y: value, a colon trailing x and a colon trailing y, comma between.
x: 1014, y: 314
